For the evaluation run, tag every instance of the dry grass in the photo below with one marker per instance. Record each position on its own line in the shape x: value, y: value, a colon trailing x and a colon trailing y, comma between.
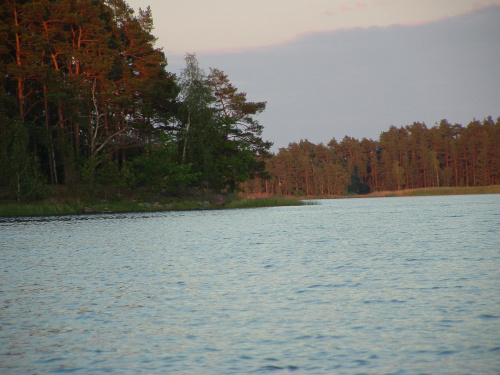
x: 494, y: 189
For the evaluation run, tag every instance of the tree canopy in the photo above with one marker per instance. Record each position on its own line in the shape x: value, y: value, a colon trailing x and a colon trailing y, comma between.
x: 408, y: 157
x: 82, y: 85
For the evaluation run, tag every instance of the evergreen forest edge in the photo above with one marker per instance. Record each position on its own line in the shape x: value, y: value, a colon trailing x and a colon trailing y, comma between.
x: 88, y: 111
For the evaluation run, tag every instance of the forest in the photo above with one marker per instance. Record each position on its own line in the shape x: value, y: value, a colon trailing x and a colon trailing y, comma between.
x: 87, y: 103
x: 408, y: 157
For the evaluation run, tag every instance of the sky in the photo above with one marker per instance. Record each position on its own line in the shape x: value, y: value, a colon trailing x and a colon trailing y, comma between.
x: 334, y: 68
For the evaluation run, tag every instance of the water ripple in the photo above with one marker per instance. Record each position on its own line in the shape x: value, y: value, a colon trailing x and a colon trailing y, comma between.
x: 399, y: 285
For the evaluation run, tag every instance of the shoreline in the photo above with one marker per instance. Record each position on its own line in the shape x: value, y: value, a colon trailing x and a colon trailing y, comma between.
x: 433, y: 191
x: 68, y: 207
x: 420, y: 192
x: 75, y: 206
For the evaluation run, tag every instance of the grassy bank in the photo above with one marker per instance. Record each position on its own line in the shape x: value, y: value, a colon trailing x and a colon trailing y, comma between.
x: 74, y: 206
x: 495, y: 189
x: 266, y: 202
x: 39, y: 209
x: 68, y: 207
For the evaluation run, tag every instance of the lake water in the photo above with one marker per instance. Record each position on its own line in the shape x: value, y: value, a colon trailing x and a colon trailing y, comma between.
x: 353, y: 286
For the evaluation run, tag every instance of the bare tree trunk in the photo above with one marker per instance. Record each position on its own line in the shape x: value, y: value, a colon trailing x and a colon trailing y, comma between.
x: 186, y: 138
x: 52, y: 159
x: 436, y: 164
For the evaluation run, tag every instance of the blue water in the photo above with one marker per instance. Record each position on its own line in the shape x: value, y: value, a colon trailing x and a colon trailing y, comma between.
x: 355, y: 286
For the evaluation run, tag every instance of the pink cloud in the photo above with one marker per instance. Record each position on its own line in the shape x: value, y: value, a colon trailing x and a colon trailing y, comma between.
x: 340, y: 8
x: 361, y: 4
x: 358, y: 5
x: 477, y: 6
x: 373, y: 3
x: 480, y: 5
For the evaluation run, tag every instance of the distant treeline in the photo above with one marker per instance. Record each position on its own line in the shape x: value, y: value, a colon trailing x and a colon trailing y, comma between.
x: 408, y: 157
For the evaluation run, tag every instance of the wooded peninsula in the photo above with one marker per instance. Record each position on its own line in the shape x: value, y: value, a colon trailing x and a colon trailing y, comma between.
x: 89, y: 111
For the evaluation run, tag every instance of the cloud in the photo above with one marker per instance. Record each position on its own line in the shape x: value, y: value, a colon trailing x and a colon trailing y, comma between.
x: 283, y: 43
x: 358, y: 5
x: 222, y: 26
x: 358, y: 82
x: 361, y: 4
x: 481, y: 5
x: 342, y: 8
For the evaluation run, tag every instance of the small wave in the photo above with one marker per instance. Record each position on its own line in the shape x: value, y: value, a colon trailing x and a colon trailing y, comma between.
x: 448, y: 323
x: 50, y: 360
x: 269, y: 368
x: 271, y: 359
x: 488, y: 316
x: 67, y: 370
x: 362, y: 362
x: 276, y: 368
x: 305, y: 337
x: 315, y: 286
x: 209, y: 349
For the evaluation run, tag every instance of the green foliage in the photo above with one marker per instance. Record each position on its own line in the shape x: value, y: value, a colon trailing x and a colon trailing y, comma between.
x: 86, y: 80
x: 23, y: 177
x: 41, y: 209
x: 159, y: 169
x: 88, y: 170
x: 266, y: 202
x: 217, y: 133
